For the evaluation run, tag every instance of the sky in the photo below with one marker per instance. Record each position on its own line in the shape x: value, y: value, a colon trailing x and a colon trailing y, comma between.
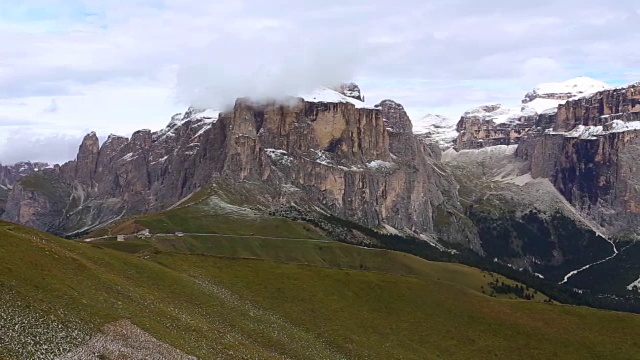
x: 68, y: 67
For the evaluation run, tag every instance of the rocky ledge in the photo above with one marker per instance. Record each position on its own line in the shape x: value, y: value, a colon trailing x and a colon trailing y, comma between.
x: 496, y: 124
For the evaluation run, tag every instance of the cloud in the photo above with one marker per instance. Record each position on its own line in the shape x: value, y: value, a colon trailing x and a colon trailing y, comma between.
x: 268, y: 69
x: 22, y: 146
x: 53, y: 107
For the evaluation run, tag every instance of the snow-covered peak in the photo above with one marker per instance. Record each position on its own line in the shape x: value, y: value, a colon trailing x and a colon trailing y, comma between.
x: 433, y: 124
x: 199, y: 117
x: 576, y: 86
x: 194, y: 114
x: 499, y: 113
x: 351, y: 90
x: 549, y: 95
x: 325, y: 94
x: 435, y: 120
x: 440, y: 129
x: 208, y: 115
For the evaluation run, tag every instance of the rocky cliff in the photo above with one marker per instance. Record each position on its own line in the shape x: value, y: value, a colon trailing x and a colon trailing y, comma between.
x: 590, y: 153
x: 563, y: 177
x: 585, y: 146
x: 332, y: 148
x: 496, y: 124
x: 11, y: 174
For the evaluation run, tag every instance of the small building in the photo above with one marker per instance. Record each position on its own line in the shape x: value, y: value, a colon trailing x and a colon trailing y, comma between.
x: 120, y: 238
x: 144, y: 234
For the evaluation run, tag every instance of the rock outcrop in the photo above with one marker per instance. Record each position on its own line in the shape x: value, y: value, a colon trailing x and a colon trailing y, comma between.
x: 395, y: 117
x: 338, y: 152
x: 11, y: 174
x: 495, y: 124
x: 351, y: 90
x: 590, y: 153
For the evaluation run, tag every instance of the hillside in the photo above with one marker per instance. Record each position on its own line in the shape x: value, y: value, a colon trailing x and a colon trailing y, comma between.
x: 244, y: 298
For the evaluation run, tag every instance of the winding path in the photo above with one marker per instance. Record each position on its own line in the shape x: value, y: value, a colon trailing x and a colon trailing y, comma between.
x: 199, y: 234
x: 615, y: 253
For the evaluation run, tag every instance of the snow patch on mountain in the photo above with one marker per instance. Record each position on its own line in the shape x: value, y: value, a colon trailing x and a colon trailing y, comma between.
x: 381, y: 165
x: 634, y: 286
x: 593, y: 131
x: 441, y: 129
x: 576, y: 86
x: 279, y: 156
x: 478, y: 155
x: 198, y: 117
x: 541, y: 105
x: 326, y: 95
x: 547, y: 96
x: 499, y: 113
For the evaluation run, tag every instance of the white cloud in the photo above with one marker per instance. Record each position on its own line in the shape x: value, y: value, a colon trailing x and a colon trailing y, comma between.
x: 115, y: 66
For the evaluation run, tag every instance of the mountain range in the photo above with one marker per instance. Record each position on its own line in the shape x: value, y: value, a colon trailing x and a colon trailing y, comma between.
x: 544, y: 193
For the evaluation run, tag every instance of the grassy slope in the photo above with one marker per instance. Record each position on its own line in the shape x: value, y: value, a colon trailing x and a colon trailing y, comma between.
x: 204, y: 217
x: 220, y: 307
x: 200, y: 215
x: 317, y: 253
x: 369, y: 315
x: 73, y: 283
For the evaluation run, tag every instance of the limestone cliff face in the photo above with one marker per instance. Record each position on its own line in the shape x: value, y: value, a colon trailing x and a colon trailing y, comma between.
x: 599, y: 108
x: 148, y: 172
x: 43, y: 198
x: 11, y: 174
x: 339, y: 155
x: 597, y: 176
x: 590, y: 154
x: 395, y: 117
x: 491, y: 125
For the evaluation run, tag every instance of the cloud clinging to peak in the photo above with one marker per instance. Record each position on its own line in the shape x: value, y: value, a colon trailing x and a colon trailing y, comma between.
x: 273, y: 68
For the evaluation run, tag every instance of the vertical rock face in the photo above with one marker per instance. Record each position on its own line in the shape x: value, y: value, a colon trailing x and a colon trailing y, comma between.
x: 599, y: 109
x: 43, y: 198
x: 395, y: 117
x: 588, y: 153
x: 339, y: 153
x: 11, y: 174
x: 86, y: 159
x: 491, y: 125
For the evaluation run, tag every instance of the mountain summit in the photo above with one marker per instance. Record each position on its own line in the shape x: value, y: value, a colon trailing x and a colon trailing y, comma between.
x: 550, y: 95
